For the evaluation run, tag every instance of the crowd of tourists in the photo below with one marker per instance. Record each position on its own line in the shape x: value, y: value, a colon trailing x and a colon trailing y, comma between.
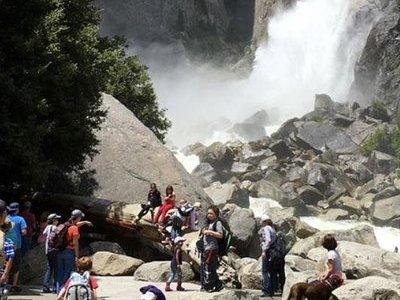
x: 67, y: 271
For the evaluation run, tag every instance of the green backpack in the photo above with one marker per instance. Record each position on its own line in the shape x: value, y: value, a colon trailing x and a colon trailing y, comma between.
x: 226, y: 241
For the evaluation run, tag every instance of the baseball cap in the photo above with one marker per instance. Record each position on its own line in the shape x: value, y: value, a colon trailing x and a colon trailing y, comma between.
x: 77, y: 213
x: 53, y: 217
x: 13, y: 206
x: 265, y: 218
x: 3, y: 206
x: 179, y: 239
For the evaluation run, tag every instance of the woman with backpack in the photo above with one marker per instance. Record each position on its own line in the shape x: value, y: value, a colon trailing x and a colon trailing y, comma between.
x: 209, y: 256
x: 153, y: 201
x: 169, y: 203
x: 48, y: 286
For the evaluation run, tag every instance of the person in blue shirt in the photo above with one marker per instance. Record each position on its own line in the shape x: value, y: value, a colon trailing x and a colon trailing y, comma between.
x: 15, y: 235
x: 8, y: 252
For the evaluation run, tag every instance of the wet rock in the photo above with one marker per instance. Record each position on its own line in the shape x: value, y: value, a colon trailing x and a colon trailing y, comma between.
x: 288, y: 129
x: 310, y: 195
x: 157, y: 271
x: 324, y: 102
x: 222, y: 194
x: 250, y: 132
x: 266, y: 189
x: 322, y: 136
x: 281, y: 149
x: 111, y: 264
x: 381, y: 163
x: 218, y: 155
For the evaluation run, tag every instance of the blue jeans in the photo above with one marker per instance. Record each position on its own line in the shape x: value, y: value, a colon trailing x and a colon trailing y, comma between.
x: 176, y: 273
x: 51, y: 272
x: 269, y: 276
x: 65, y: 265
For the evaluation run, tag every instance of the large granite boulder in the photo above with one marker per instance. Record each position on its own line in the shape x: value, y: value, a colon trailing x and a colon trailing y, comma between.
x: 323, y: 136
x: 382, y: 163
x: 385, y: 210
x: 248, y: 131
x: 267, y: 189
x: 205, y: 173
x: 369, y: 288
x: 225, y: 193
x: 131, y: 157
x: 106, y: 246
x: 359, y: 261
x: 218, y: 155
x: 111, y: 264
x: 157, y: 271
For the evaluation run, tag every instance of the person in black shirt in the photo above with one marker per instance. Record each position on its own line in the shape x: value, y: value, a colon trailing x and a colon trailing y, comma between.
x: 153, y: 201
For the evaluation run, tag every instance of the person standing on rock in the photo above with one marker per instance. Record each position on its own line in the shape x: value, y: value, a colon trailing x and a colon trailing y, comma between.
x: 153, y: 201
x: 15, y: 234
x: 209, y: 257
x: 176, y: 265
x: 169, y: 203
x: 268, y: 237
x: 30, y: 220
x: 66, y: 257
x: 51, y: 254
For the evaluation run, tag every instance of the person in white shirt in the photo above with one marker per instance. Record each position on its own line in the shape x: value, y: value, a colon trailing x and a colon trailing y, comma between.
x: 267, y: 237
x: 48, y: 286
x: 333, y: 275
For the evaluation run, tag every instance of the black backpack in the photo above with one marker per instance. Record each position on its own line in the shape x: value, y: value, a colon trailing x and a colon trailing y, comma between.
x: 58, y: 238
x: 277, y: 250
x: 225, y: 242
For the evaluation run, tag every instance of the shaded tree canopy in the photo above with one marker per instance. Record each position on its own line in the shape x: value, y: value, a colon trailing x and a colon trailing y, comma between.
x: 53, y: 66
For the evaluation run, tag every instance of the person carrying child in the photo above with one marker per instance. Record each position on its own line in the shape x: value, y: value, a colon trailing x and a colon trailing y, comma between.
x: 80, y: 284
x: 176, y: 265
x: 169, y: 203
x: 153, y: 201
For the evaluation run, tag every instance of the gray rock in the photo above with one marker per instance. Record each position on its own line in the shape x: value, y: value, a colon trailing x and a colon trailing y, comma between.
x: 322, y: 136
x: 193, y: 149
x: 260, y: 118
x: 157, y: 271
x: 367, y: 288
x: 267, y: 189
x: 107, y: 247
x: 222, y: 194
x: 218, y: 155
x: 281, y: 149
x: 253, y: 176
x: 205, y: 173
x: 381, y: 163
x: 388, y: 192
x: 269, y: 163
x: 297, y: 174
x: 239, y: 168
x: 254, y: 157
x: 310, y: 195
x: 324, y: 102
x: 350, y: 204
x: 131, y: 157
x: 333, y: 214
x: 385, y: 210
x: 342, y: 121
x: 288, y: 129
x: 359, y: 261
x: 111, y: 264
x: 359, y: 131
x: 299, y: 264
x: 34, y: 266
x: 250, y: 132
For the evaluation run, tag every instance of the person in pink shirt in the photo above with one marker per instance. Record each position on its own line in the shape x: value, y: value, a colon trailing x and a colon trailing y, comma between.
x: 169, y: 203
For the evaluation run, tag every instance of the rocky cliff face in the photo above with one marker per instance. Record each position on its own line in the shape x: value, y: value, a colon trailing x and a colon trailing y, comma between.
x: 377, y: 73
x: 218, y: 30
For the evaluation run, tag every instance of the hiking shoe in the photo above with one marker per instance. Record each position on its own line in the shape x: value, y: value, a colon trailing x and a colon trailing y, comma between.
x: 46, y: 290
x: 180, y: 289
x: 168, y: 289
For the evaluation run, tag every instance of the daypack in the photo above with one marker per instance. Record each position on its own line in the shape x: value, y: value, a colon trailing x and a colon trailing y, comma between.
x: 78, y: 288
x: 277, y: 250
x: 225, y: 242
x: 58, y: 238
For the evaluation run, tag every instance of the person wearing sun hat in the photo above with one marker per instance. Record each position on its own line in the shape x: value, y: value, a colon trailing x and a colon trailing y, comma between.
x: 15, y: 234
x: 48, y: 285
x: 176, y: 265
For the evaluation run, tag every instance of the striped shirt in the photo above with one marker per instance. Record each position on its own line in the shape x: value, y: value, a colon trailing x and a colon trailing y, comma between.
x: 9, y: 251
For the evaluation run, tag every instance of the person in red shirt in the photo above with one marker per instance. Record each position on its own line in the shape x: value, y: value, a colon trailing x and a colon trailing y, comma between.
x: 83, y: 266
x: 30, y: 220
x: 169, y: 203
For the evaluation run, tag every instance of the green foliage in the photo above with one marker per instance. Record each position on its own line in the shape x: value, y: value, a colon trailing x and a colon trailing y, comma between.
x: 53, y: 66
x: 317, y: 119
x: 380, y: 140
x: 379, y: 111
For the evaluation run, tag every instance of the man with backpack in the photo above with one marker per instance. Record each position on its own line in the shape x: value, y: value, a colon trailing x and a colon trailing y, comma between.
x: 66, y: 240
x: 267, y: 237
x: 211, y: 235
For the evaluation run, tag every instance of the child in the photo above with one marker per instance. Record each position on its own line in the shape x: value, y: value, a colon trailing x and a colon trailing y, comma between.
x: 177, y: 221
x: 48, y: 286
x: 83, y: 265
x: 9, y: 252
x: 333, y: 275
x: 153, y: 201
x: 176, y: 263
x: 169, y: 203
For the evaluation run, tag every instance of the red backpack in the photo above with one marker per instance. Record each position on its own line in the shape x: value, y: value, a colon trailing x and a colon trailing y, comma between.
x: 58, y: 238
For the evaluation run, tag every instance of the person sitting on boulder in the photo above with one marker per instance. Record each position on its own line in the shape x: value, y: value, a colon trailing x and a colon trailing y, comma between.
x: 153, y: 201
x: 169, y: 203
x: 176, y: 265
x: 333, y: 276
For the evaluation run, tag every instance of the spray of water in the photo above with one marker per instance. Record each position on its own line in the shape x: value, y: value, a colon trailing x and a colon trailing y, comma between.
x: 311, y: 48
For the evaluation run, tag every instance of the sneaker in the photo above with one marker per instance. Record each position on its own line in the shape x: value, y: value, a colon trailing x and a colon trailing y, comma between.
x: 168, y: 288
x: 46, y: 290
x: 180, y: 289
